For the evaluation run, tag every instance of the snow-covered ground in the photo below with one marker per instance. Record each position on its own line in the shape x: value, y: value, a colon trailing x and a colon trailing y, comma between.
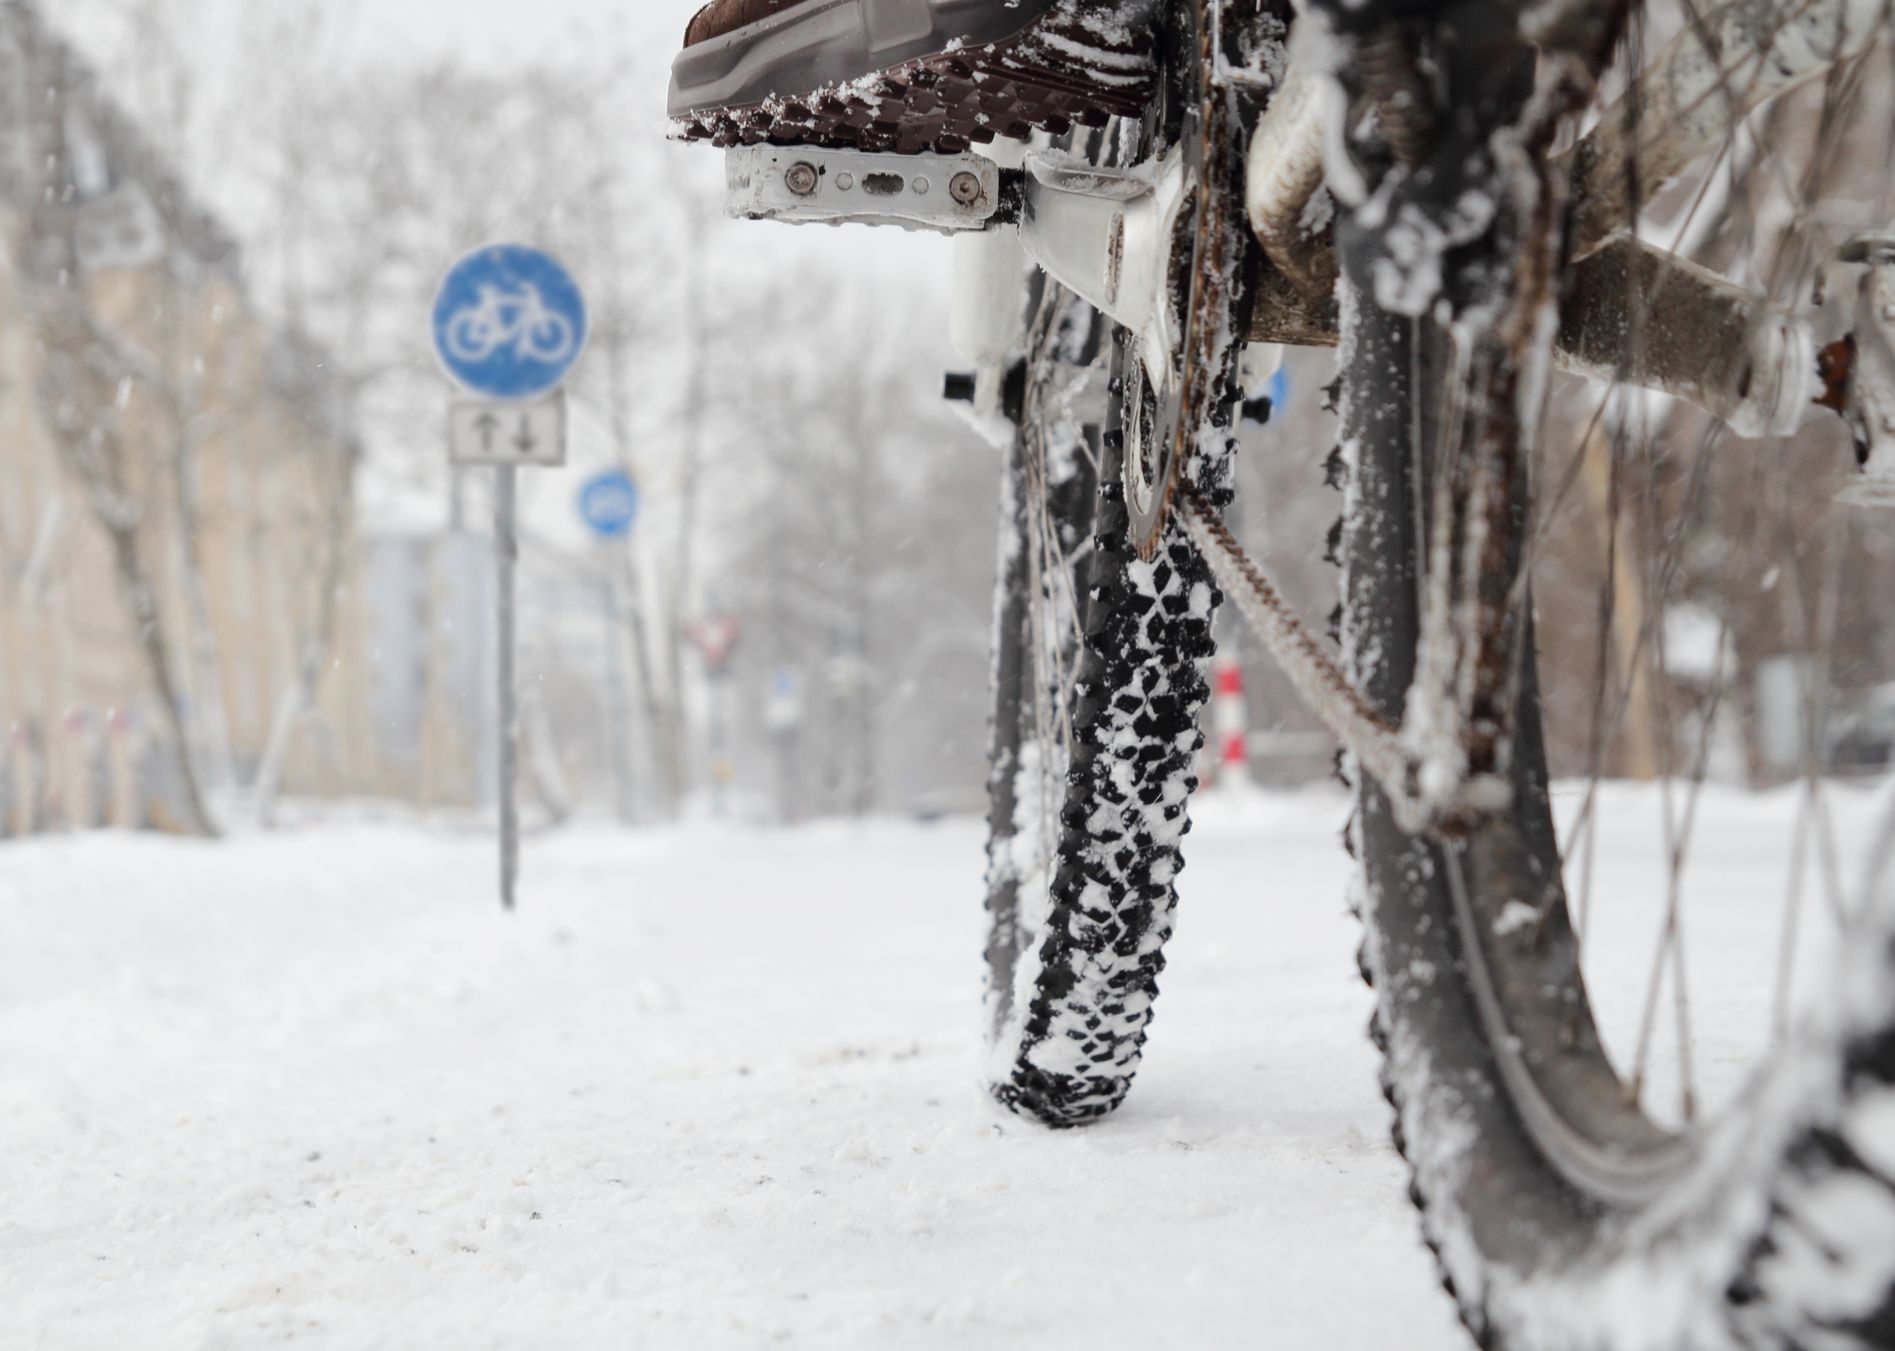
x: 710, y: 1088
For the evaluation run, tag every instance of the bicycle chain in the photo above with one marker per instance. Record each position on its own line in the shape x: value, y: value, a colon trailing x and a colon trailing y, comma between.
x: 1316, y: 675
x: 1182, y: 413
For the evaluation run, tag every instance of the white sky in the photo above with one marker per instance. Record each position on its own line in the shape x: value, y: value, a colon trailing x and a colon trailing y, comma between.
x: 217, y: 38
x: 499, y: 30
x: 486, y: 32
x: 643, y: 35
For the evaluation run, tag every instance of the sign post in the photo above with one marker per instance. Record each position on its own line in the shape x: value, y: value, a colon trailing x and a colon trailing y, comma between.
x: 608, y: 504
x: 509, y: 324
x: 506, y: 546
x: 716, y: 642
x: 783, y: 715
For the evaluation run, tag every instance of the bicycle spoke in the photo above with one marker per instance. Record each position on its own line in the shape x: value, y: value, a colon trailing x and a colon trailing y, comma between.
x: 1741, y: 199
x: 1056, y: 454
x: 1786, y: 271
x: 1814, y: 832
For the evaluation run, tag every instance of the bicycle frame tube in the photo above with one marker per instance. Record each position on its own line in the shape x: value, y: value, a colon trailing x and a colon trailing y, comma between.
x: 1285, y: 174
x: 1711, y: 76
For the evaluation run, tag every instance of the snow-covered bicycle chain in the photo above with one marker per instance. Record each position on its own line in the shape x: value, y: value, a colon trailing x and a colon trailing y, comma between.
x: 1212, y: 125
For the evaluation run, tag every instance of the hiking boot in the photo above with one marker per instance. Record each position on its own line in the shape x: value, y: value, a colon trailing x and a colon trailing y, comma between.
x: 908, y: 75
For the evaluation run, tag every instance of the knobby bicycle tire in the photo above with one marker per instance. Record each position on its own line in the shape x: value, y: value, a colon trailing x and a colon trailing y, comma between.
x: 1073, y: 972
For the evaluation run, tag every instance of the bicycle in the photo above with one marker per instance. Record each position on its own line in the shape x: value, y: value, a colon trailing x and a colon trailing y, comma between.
x: 519, y: 318
x: 1411, y: 183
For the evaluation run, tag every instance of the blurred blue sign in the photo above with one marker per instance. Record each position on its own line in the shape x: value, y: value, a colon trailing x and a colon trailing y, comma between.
x: 509, y: 322
x: 608, y: 504
x: 784, y: 711
x: 1280, y: 389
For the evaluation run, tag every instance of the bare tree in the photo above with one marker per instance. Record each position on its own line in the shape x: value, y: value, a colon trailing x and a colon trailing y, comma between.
x: 87, y: 376
x: 849, y: 514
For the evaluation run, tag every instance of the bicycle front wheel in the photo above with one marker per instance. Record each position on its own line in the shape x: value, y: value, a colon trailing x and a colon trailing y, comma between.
x: 1606, y: 1153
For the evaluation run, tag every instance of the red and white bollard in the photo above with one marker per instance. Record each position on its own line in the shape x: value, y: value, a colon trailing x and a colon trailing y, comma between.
x: 1230, y: 724
x: 75, y: 774
x: 24, y: 767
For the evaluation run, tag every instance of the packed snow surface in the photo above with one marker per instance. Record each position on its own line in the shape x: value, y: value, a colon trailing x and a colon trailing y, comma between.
x: 709, y: 1088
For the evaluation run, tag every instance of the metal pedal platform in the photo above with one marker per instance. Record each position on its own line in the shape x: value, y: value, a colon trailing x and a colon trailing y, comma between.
x: 949, y: 194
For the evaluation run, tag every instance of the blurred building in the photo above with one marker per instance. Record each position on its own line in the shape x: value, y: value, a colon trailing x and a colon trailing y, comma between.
x: 231, y: 474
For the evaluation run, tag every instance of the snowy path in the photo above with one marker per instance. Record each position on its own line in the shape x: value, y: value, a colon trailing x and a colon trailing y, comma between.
x: 710, y: 1089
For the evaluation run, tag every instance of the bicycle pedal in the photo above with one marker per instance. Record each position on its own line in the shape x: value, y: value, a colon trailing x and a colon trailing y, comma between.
x: 948, y: 194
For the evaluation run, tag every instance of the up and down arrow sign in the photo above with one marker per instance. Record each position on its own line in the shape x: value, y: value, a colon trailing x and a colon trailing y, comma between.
x: 528, y: 434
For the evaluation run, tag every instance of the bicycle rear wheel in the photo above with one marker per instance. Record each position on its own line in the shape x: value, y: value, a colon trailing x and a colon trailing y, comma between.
x: 1099, y: 683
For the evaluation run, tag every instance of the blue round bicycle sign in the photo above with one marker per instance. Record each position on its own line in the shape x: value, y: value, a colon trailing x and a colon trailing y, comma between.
x: 608, y: 504
x: 509, y: 322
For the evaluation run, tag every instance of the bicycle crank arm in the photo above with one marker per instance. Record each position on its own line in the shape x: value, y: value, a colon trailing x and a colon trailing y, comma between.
x: 1108, y: 236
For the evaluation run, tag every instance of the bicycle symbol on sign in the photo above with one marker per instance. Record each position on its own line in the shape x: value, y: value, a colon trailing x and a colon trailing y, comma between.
x: 520, y: 319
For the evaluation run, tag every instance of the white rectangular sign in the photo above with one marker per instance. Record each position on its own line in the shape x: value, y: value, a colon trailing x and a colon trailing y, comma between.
x: 483, y: 432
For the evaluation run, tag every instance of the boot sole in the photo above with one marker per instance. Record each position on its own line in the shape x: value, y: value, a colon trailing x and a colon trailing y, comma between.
x: 942, y: 79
